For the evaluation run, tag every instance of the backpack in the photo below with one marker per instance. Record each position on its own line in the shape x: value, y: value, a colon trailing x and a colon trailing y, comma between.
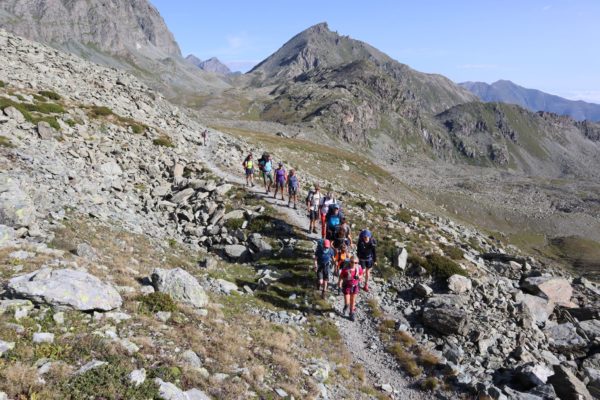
x: 351, y: 280
x: 324, y: 256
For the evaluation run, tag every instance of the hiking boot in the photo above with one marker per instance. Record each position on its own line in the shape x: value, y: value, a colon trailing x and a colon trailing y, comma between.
x: 295, y: 208
x: 366, y: 288
x: 345, y: 309
x: 352, y: 317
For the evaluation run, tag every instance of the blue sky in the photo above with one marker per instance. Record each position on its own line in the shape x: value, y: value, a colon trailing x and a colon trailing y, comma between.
x: 550, y: 45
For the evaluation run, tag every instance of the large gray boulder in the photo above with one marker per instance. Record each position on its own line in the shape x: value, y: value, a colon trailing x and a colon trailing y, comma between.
x: 557, y: 290
x: 259, y: 246
x: 459, y: 284
x: 447, y: 320
x: 568, y: 386
x: 537, y: 308
x: 401, y: 259
x: 236, y: 252
x: 66, y: 288
x: 180, y: 285
x: 16, y: 207
x: 564, y: 338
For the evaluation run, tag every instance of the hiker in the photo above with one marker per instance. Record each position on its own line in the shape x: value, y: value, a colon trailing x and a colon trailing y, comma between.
x: 280, y: 179
x: 266, y: 166
x: 204, y: 135
x: 365, y: 250
x: 248, y: 165
x: 313, y: 204
x: 342, y: 235
x: 341, y: 255
x: 293, y: 186
x: 334, y: 219
x: 327, y: 201
x: 349, y: 282
x: 323, y: 260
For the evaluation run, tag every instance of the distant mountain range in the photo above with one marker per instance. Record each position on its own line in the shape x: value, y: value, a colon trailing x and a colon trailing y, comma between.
x: 535, y: 100
x: 213, y: 65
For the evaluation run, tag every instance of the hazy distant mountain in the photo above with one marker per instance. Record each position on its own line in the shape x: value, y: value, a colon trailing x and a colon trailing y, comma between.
x: 126, y: 34
x: 535, y: 100
x: 211, y: 65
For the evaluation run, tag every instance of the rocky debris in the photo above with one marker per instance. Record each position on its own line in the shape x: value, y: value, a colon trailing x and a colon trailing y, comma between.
x: 89, y: 366
x: 66, y: 288
x: 137, y: 377
x: 536, y: 308
x: 236, y: 252
x: 45, y: 131
x: 459, y: 284
x: 180, y: 285
x: 556, y: 290
x: 86, y: 251
x: 226, y: 286
x: 422, y: 290
x: 259, y: 246
x: 564, y: 338
x: 43, y: 337
x: 568, y: 386
x: 5, y: 347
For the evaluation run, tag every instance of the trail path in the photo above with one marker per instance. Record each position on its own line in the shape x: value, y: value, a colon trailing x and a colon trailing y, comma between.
x: 361, y: 336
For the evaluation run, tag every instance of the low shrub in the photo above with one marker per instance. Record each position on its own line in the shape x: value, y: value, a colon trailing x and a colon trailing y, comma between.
x: 234, y: 224
x: 442, y: 267
x: 429, y: 384
x: 157, y: 301
x: 2, y: 84
x: 5, y: 142
x: 45, y: 108
x: 164, y: 141
x: 404, y: 216
x: 99, y: 111
x: 50, y: 95
x: 455, y: 253
x: 137, y: 128
x: 405, y: 359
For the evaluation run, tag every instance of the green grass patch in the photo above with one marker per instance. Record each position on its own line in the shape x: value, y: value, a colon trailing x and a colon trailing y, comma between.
x: 163, y: 141
x: 5, y: 142
x: 108, y: 382
x: 404, y: 216
x: 2, y: 84
x: 50, y: 95
x: 137, y: 128
x: 439, y: 266
x: 157, y: 301
x: 455, y: 253
x: 99, y: 111
x: 234, y: 223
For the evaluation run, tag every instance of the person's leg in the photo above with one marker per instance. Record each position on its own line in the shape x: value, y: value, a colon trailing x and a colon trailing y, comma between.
x: 346, y: 303
x: 367, y: 274
x: 325, y: 283
x: 323, y: 225
x: 353, y: 303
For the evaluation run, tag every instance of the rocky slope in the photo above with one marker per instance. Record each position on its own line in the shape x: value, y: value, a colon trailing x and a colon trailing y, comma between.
x: 128, y: 35
x: 535, y: 100
x: 213, y: 64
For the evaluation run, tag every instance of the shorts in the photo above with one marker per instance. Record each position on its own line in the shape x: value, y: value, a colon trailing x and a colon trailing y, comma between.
x: 249, y: 171
x: 350, y: 289
x: 313, y: 215
x: 267, y: 176
x: 366, y: 264
x: 280, y: 184
x: 292, y: 191
x: 323, y: 273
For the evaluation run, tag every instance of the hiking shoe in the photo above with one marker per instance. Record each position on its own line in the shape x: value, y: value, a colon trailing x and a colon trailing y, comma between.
x: 352, y: 317
x: 366, y: 288
x: 345, y: 309
x: 295, y: 208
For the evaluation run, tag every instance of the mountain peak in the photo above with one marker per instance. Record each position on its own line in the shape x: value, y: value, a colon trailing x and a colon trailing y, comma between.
x: 213, y: 65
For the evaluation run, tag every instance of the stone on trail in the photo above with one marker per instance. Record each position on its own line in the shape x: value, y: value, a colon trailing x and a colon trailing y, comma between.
x: 45, y: 131
x: 66, y: 288
x: 180, y: 285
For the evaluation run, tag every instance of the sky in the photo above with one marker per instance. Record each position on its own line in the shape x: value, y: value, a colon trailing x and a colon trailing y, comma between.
x: 551, y: 45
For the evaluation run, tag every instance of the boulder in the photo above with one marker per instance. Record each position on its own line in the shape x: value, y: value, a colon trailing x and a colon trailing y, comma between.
x: 447, y: 320
x: 235, y: 214
x: 90, y: 366
x: 16, y: 207
x: 536, y: 374
x: 168, y: 391
x: 226, y: 286
x: 45, y: 131
x: 591, y: 328
x: 180, y: 285
x: 190, y: 359
x: 422, y: 290
x: 222, y: 190
x: 66, y: 288
x: 401, y: 259
x: 137, y: 377
x: 537, y: 308
x: 5, y: 347
x: 182, y: 196
x: 196, y: 394
x: 259, y: 246
x: 459, y: 284
x: 236, y: 252
x: 564, y: 339
x: 557, y: 290
x: 567, y: 385
x: 86, y: 251
x: 43, y: 337
x: 14, y: 114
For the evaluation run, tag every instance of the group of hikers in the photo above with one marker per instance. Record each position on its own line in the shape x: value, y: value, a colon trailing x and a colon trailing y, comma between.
x: 337, y: 256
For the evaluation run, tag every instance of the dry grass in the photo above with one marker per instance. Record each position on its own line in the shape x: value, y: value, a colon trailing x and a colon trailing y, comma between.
x: 405, y: 359
x: 19, y: 379
x: 376, y: 310
x: 426, y: 358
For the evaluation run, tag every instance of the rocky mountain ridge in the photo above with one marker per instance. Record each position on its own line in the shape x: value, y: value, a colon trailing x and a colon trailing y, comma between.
x: 129, y: 35
x: 535, y: 100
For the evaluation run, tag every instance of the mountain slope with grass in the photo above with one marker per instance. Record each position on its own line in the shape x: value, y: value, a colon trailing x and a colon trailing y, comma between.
x: 535, y: 100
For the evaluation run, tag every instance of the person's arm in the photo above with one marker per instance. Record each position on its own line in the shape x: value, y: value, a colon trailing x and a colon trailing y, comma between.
x: 374, y: 250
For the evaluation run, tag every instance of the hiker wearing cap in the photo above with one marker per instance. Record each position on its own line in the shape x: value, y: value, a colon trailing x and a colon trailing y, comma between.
x: 313, y: 204
x: 323, y: 260
x: 334, y: 219
x: 280, y: 179
x: 326, y: 202
x: 349, y: 282
x: 248, y: 165
x: 293, y: 186
x: 367, y: 254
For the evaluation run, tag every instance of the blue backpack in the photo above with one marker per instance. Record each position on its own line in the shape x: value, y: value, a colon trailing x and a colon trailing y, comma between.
x: 324, y: 256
